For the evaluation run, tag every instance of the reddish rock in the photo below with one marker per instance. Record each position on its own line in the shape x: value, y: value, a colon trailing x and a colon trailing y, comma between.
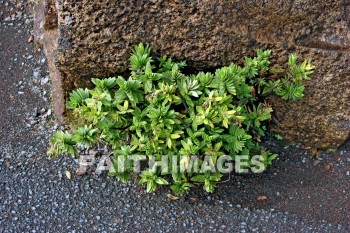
x: 94, y: 39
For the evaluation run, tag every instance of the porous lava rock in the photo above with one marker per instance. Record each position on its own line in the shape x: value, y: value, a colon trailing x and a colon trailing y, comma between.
x: 85, y: 39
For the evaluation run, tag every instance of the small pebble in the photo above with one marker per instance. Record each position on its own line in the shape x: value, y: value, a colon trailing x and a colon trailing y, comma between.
x: 19, y: 15
x: 316, y: 162
x: 36, y: 74
x: 49, y: 112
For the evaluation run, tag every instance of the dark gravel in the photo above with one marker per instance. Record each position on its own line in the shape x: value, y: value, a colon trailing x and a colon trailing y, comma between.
x: 304, y: 194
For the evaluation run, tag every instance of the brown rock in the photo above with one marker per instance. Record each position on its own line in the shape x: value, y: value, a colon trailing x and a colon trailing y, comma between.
x: 94, y: 39
x: 313, y: 152
x: 262, y: 198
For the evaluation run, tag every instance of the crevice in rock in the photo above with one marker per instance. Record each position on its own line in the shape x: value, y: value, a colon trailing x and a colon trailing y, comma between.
x: 317, y: 44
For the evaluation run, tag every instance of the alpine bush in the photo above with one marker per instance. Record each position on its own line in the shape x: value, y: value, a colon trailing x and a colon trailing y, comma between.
x: 160, y: 111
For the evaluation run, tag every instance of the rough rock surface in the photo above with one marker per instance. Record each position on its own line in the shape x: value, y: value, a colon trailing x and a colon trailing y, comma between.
x: 94, y: 38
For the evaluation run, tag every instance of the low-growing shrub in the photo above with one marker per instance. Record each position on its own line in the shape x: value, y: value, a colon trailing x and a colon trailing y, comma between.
x: 194, y: 121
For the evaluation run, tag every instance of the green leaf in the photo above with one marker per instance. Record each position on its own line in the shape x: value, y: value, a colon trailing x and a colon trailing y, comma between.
x: 77, y: 98
x: 140, y: 57
x: 161, y: 181
x: 198, y: 178
x: 61, y: 143
x: 105, y: 84
x: 86, y: 136
x: 175, y: 136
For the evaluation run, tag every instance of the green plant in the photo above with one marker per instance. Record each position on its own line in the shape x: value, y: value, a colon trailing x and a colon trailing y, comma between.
x: 152, y: 180
x: 159, y: 112
x: 61, y: 143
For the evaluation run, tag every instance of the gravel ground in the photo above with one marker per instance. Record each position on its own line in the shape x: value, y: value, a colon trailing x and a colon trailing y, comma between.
x: 304, y: 193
